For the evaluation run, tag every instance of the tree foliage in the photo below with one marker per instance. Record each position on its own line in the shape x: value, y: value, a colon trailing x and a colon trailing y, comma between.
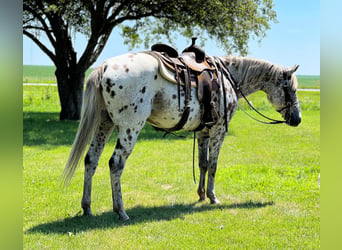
x: 230, y: 22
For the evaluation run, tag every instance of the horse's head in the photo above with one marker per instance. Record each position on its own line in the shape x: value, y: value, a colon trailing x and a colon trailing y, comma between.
x: 282, y: 95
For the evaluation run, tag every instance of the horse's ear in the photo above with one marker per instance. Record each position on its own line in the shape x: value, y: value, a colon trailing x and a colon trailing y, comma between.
x: 293, y: 69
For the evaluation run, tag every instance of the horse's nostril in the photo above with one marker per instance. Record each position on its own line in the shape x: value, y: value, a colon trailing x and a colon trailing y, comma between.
x: 295, y: 119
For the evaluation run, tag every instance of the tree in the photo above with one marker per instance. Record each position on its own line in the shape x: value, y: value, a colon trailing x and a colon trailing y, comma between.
x: 231, y: 23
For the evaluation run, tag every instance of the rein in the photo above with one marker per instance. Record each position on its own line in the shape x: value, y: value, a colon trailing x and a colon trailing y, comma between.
x: 272, y: 121
x: 237, y: 90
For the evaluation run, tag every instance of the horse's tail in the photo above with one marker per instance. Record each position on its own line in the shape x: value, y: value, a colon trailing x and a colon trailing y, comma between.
x: 90, y: 119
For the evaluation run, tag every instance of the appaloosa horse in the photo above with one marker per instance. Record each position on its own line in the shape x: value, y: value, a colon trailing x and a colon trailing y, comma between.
x: 127, y: 91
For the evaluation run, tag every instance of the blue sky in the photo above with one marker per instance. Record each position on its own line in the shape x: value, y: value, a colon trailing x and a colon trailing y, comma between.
x: 295, y: 39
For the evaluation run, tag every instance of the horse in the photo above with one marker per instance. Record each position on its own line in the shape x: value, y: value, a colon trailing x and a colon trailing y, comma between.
x: 126, y: 91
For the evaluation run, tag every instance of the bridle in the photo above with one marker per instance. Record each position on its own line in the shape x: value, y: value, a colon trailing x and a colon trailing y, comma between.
x: 286, y: 88
x: 237, y: 89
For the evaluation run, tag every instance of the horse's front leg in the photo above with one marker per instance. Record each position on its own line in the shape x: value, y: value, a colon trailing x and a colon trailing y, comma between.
x: 203, y: 142
x: 217, y: 136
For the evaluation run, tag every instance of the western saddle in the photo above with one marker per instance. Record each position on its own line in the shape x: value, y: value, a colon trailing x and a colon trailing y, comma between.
x: 191, y: 69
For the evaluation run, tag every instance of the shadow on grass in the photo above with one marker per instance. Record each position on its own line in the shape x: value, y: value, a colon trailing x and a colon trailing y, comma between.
x: 137, y: 215
x: 41, y: 128
x: 45, y: 128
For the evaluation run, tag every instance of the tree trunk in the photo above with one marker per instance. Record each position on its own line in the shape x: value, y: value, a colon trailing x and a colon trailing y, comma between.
x: 70, y: 89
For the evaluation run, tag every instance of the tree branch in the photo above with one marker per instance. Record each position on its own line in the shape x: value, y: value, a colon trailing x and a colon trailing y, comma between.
x: 40, y: 45
x: 43, y: 23
x: 98, y: 49
x: 130, y: 17
x: 32, y: 27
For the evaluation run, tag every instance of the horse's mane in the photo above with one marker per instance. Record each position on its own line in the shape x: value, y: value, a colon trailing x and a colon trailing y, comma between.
x: 252, y: 70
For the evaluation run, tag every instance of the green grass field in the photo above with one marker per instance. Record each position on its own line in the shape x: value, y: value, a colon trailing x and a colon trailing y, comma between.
x: 266, y: 182
x: 45, y: 74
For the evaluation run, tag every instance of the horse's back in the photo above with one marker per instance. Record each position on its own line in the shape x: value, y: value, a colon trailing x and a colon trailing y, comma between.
x: 131, y: 66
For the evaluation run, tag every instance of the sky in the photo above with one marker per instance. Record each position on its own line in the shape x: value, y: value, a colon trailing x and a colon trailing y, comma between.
x: 294, y: 39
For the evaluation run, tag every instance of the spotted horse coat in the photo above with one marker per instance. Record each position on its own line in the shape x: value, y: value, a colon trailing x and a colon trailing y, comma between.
x: 127, y: 91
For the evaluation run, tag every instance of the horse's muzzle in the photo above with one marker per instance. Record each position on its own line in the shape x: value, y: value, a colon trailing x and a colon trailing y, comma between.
x: 294, y: 119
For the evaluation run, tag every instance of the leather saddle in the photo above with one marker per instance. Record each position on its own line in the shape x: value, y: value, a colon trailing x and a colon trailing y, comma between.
x: 192, y: 68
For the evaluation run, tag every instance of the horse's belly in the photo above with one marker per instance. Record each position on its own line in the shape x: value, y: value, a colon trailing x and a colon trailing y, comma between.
x: 166, y: 114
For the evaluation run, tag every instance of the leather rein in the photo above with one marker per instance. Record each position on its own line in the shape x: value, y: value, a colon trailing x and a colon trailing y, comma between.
x: 238, y: 90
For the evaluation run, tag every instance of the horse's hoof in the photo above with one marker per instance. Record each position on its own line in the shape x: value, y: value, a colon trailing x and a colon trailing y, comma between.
x: 201, y: 199
x: 87, y: 212
x: 214, y: 201
x: 123, y: 216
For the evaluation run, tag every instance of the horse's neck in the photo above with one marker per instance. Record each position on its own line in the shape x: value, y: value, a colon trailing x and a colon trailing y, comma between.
x: 249, y: 74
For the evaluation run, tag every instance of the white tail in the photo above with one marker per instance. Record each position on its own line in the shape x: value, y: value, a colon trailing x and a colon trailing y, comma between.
x: 90, y: 119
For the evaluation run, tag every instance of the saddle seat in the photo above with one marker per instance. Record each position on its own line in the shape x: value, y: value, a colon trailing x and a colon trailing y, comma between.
x: 192, y: 57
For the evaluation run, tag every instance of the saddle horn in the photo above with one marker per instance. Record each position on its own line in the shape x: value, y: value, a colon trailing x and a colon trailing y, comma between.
x: 199, y: 52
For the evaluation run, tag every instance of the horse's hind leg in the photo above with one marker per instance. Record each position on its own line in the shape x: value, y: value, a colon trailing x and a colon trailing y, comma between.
x: 203, y: 141
x: 92, y: 158
x: 127, y: 137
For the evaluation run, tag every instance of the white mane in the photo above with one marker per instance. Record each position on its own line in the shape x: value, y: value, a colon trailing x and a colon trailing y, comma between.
x: 250, y: 70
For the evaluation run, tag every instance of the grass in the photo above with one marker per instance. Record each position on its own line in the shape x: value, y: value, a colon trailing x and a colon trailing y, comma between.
x: 45, y: 74
x: 266, y: 182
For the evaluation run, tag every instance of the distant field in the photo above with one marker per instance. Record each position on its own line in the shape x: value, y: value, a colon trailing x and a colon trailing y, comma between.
x: 309, y: 82
x: 46, y: 74
x: 41, y: 74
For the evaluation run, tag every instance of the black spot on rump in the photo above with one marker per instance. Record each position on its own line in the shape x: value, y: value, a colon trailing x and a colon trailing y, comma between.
x: 128, y: 131
x: 143, y: 90
x: 155, y: 77
x: 112, y: 93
